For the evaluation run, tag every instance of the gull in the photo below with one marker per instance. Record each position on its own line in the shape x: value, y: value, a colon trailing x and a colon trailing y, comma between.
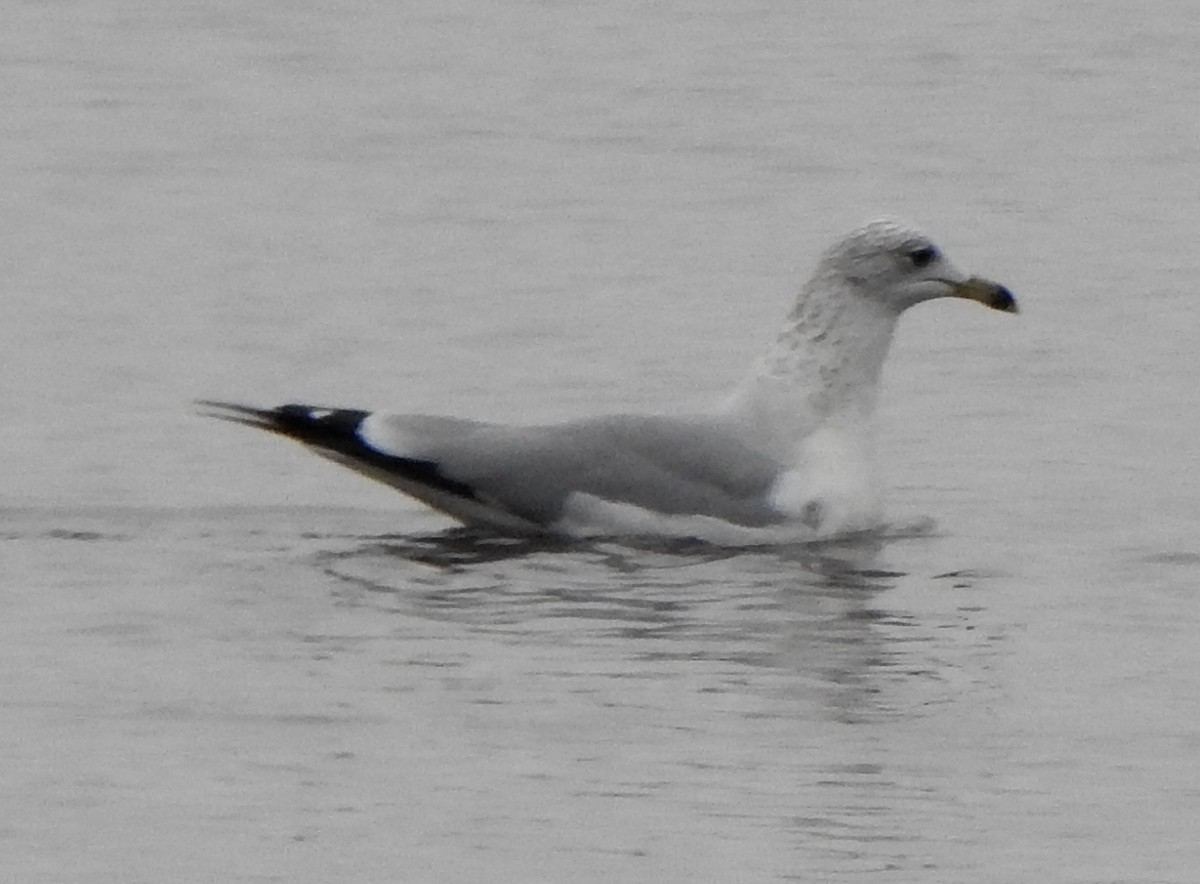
x: 789, y: 455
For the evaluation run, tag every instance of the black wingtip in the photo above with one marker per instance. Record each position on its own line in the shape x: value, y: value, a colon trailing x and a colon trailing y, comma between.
x: 235, y: 412
x: 334, y: 432
x: 311, y: 424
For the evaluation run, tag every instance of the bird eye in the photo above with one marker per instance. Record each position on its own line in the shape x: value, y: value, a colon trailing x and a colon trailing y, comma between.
x: 922, y: 256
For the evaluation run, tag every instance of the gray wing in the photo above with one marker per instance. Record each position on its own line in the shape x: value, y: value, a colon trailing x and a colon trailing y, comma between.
x: 677, y: 466
x: 521, y: 478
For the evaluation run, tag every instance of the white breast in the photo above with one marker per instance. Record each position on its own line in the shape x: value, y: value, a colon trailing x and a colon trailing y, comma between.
x: 831, y: 487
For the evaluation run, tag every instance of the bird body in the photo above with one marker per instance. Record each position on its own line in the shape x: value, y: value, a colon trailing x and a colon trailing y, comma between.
x: 789, y: 455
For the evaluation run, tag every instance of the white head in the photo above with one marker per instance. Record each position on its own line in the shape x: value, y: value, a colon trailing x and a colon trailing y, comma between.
x: 899, y: 266
x: 828, y: 358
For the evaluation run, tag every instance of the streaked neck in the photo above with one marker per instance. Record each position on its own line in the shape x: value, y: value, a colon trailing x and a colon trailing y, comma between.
x: 823, y: 371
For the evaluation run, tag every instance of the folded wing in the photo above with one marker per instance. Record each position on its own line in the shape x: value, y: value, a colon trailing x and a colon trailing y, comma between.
x: 524, y: 478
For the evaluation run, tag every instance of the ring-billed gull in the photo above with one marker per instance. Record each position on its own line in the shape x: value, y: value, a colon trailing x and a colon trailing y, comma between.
x: 788, y: 456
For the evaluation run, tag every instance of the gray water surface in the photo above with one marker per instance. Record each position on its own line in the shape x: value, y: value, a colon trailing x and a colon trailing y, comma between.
x: 225, y: 659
